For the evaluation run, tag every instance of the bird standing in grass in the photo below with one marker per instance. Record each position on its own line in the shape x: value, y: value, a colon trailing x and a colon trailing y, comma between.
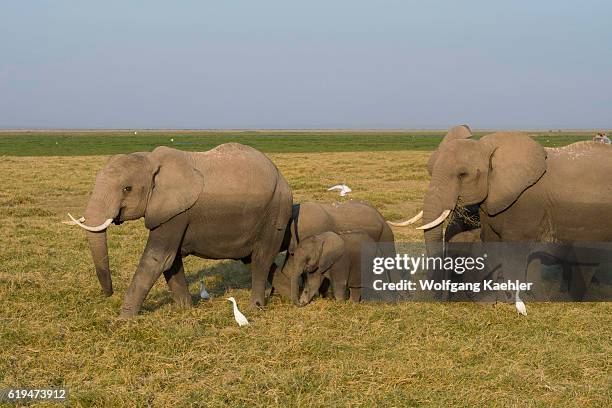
x: 520, y: 306
x: 240, y: 318
x: 203, y: 293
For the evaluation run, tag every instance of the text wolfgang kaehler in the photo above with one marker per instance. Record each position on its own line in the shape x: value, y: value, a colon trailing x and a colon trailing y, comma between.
x: 458, y: 265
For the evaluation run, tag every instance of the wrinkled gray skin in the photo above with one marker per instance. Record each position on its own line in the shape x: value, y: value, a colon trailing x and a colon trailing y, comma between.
x: 333, y: 257
x: 525, y: 193
x: 227, y: 203
x: 466, y: 237
x: 310, y: 219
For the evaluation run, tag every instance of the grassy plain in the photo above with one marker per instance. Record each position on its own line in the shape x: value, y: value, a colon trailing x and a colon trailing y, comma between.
x: 87, y: 143
x: 57, y: 330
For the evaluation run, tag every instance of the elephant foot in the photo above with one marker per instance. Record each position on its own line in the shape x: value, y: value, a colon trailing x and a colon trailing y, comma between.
x: 183, y: 300
x: 258, y: 301
x: 128, y: 312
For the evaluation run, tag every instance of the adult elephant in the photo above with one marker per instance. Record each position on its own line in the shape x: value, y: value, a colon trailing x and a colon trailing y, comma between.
x: 524, y: 192
x: 227, y: 203
x: 310, y: 219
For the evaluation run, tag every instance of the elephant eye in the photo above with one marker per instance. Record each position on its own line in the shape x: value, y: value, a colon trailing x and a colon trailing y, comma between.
x: 127, y: 189
x: 462, y: 174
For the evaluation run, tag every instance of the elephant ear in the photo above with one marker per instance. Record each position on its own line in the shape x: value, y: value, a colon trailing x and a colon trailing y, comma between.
x: 457, y: 132
x: 176, y: 186
x: 516, y: 163
x: 332, y: 248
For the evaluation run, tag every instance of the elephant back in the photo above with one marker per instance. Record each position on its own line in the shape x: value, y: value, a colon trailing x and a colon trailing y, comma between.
x: 310, y: 219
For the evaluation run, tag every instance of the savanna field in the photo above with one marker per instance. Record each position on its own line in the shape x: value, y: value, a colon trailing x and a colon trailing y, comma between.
x: 57, y: 330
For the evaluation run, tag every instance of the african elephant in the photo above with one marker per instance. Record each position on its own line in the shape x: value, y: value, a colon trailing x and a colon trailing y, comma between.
x: 309, y: 219
x: 230, y: 202
x: 333, y: 258
x: 524, y: 192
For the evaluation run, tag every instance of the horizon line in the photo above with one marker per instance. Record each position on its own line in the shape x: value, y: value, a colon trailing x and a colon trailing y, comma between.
x: 297, y: 129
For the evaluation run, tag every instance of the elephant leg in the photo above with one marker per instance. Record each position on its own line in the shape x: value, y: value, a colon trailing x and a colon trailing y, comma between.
x: 534, y: 276
x: 159, y: 255
x: 268, y: 246
x: 355, y: 294
x: 175, y: 278
x: 513, y: 267
x: 147, y: 273
x: 260, y: 269
x: 339, y: 288
x: 580, y: 280
x: 324, y: 288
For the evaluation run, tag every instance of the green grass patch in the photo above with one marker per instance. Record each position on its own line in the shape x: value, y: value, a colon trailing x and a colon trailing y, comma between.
x: 87, y: 143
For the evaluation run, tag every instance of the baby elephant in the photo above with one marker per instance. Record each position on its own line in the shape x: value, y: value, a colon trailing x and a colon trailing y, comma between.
x: 331, y: 258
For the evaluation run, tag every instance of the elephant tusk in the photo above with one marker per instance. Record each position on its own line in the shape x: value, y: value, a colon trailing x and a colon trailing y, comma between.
x: 408, y: 222
x: 99, y: 228
x: 82, y: 219
x: 435, y: 222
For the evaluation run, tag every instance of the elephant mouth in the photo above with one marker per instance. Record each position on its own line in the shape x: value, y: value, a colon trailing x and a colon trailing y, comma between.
x: 118, y: 220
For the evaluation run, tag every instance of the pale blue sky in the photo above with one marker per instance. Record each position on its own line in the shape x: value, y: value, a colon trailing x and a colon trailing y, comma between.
x: 306, y: 64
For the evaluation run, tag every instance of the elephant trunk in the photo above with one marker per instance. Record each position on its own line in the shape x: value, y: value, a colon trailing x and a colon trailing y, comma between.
x: 99, y: 254
x: 97, y: 211
x: 293, y: 271
x: 295, y: 289
x: 280, y: 282
x: 287, y: 283
x: 441, y: 196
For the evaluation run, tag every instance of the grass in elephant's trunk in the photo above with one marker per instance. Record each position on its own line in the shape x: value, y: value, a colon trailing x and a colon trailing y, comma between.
x: 57, y: 329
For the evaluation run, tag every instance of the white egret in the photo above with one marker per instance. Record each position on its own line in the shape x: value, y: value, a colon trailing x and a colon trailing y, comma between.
x: 520, y: 306
x: 240, y: 318
x: 343, y: 188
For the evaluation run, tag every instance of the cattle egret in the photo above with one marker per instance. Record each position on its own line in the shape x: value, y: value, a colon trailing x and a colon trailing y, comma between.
x: 343, y: 188
x: 240, y: 319
x: 135, y: 132
x: 172, y: 140
x: 520, y: 306
x: 203, y: 293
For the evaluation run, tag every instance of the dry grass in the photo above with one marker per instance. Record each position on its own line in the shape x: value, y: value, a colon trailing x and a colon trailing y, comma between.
x: 57, y: 330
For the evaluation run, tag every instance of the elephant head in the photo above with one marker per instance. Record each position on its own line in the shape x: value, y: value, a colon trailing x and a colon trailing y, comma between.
x: 157, y: 186
x: 314, y: 256
x: 455, y: 133
x: 492, y: 172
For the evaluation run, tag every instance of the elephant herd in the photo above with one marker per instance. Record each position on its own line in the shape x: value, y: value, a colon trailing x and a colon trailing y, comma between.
x: 232, y: 202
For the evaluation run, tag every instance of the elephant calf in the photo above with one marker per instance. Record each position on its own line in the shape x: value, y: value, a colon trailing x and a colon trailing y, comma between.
x: 311, y: 219
x: 330, y: 258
